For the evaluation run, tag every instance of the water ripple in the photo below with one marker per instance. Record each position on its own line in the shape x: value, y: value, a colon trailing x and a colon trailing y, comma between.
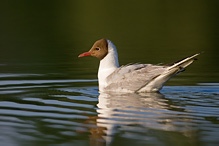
x: 56, y: 111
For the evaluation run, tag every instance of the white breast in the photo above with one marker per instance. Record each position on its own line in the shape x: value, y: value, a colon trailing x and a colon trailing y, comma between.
x: 107, y: 65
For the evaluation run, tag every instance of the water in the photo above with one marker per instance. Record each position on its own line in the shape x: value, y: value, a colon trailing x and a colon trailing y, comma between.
x: 50, y: 97
x: 65, y: 111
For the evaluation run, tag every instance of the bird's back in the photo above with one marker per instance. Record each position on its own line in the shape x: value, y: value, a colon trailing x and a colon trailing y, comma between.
x: 145, y: 77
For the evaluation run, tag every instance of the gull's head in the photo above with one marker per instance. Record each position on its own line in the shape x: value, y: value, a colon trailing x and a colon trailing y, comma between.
x: 98, y: 50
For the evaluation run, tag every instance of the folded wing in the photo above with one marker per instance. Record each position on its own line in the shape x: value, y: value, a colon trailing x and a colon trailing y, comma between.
x: 133, y: 77
x: 145, y: 77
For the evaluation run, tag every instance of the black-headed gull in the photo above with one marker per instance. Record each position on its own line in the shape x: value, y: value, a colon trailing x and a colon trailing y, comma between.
x: 131, y: 78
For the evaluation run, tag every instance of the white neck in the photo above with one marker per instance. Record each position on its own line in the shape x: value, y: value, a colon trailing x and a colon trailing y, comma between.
x: 107, y: 65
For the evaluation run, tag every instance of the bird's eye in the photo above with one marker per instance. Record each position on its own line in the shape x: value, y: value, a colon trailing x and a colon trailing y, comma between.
x: 97, y: 49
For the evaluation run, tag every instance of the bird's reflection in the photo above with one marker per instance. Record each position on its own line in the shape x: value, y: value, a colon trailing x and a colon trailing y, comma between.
x: 149, y: 110
x: 115, y: 109
x: 143, y: 100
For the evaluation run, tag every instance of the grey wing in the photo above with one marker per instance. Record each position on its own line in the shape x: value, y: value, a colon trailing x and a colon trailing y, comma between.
x: 133, y: 77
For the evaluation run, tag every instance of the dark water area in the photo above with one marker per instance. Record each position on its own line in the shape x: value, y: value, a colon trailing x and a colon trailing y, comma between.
x: 50, y: 97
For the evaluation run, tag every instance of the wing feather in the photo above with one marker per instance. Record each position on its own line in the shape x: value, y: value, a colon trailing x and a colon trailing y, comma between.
x: 133, y: 77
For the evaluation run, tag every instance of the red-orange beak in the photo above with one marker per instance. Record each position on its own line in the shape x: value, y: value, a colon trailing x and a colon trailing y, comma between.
x: 84, y: 54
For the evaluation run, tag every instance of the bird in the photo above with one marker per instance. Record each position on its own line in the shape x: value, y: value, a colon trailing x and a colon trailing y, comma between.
x: 132, y: 78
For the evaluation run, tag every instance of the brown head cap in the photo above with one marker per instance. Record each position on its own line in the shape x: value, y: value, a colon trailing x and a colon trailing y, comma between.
x: 99, y: 49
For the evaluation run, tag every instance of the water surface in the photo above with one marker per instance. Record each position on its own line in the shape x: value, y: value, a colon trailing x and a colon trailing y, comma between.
x: 67, y: 111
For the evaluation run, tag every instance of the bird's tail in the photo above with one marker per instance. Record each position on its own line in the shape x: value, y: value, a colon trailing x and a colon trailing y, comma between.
x: 183, y: 63
x: 171, y: 70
